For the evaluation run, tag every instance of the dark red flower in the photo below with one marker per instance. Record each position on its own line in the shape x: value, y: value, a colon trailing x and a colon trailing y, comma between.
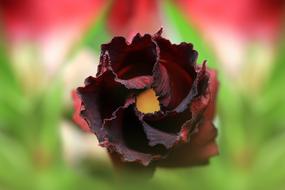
x: 150, y: 104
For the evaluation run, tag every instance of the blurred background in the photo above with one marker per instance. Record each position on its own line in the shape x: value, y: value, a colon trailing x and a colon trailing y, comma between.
x: 48, y: 47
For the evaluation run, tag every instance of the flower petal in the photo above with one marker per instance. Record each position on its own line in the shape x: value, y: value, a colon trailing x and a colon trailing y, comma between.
x: 170, y: 122
x: 201, y: 147
x: 99, y: 102
x: 156, y: 137
x: 76, y: 116
x: 161, y: 84
x: 200, y: 98
x: 121, y: 166
x: 127, y: 138
x: 198, y: 88
x: 128, y: 155
x: 140, y: 82
x: 213, y: 88
x: 179, y: 61
x: 129, y: 60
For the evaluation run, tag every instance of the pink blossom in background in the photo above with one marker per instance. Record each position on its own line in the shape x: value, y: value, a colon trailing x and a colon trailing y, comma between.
x: 231, y: 27
x: 249, y: 18
x: 127, y: 17
x: 50, y: 26
x: 35, y: 19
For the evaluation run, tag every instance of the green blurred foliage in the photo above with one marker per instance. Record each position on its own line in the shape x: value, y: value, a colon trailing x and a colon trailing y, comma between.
x: 251, y: 131
x: 188, y: 33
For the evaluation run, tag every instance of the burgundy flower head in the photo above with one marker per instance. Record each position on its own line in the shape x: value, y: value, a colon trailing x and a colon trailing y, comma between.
x: 150, y: 104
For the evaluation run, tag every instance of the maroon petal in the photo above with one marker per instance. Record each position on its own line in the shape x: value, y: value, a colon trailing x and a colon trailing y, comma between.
x: 197, y: 90
x: 121, y: 166
x: 157, y: 137
x: 213, y: 89
x: 128, y: 155
x: 200, y: 98
x: 161, y: 85
x: 77, y: 103
x: 125, y: 136
x: 129, y: 60
x: 199, y: 129
x: 170, y: 128
x: 201, y: 147
x: 99, y: 102
x: 140, y: 82
x: 179, y: 62
x: 170, y: 122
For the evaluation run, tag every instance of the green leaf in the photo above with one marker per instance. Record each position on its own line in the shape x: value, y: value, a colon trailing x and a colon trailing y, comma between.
x: 12, y: 102
x: 7, y: 75
x: 269, y: 168
x: 51, y: 107
x: 14, y: 164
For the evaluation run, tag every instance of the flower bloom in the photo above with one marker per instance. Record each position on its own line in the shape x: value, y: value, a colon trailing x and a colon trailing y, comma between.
x: 150, y: 104
x: 35, y: 19
x: 261, y: 19
x: 125, y: 17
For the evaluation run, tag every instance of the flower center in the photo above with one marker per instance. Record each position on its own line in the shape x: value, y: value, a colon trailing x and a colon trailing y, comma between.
x: 147, y: 102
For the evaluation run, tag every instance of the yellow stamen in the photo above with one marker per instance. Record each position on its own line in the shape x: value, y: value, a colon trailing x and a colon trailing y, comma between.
x: 147, y: 101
